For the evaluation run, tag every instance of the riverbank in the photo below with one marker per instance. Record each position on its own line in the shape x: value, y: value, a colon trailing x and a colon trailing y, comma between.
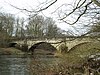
x: 66, y: 63
x: 14, y: 51
x: 10, y: 51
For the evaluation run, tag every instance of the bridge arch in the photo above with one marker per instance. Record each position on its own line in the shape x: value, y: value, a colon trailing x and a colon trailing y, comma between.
x: 80, y: 44
x: 43, y: 46
x: 12, y: 44
x: 85, y: 49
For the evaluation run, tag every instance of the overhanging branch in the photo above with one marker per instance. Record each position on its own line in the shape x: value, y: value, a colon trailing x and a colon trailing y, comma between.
x: 36, y: 11
x: 77, y: 7
x: 96, y: 2
x: 47, y: 6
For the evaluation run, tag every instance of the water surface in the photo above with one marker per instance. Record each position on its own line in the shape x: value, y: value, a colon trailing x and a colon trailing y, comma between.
x: 14, y: 65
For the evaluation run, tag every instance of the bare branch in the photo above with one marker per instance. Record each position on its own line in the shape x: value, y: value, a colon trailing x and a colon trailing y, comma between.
x: 96, y: 2
x: 20, y: 8
x: 80, y: 4
x: 74, y: 11
x: 47, y: 6
x: 32, y: 11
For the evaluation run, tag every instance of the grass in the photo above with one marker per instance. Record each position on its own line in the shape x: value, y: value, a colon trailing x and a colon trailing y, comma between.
x: 70, y: 62
x: 85, y: 49
x: 10, y: 51
x: 80, y: 53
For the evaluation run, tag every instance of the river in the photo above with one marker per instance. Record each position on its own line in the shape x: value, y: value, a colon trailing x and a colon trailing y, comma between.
x: 14, y: 65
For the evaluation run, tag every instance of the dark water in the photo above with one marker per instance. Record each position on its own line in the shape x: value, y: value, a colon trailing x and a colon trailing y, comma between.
x: 12, y: 65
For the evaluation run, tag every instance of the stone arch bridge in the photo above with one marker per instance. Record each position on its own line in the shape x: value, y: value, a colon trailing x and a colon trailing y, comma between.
x: 70, y: 42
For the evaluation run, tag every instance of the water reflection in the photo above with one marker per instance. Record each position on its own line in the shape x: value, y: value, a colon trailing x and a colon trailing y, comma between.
x: 11, y: 65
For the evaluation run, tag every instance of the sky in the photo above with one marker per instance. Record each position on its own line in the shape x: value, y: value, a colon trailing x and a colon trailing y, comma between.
x: 32, y: 5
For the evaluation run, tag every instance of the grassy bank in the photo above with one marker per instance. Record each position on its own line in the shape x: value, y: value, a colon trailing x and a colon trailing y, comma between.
x: 68, y: 64
x: 75, y: 61
x: 10, y: 51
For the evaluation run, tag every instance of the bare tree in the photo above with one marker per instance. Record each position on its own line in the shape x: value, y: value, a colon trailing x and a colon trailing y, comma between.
x: 80, y: 7
x: 51, y: 28
x: 6, y: 28
x: 83, y: 12
x: 35, y: 26
x: 39, y: 26
x: 6, y: 23
x: 19, y: 28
